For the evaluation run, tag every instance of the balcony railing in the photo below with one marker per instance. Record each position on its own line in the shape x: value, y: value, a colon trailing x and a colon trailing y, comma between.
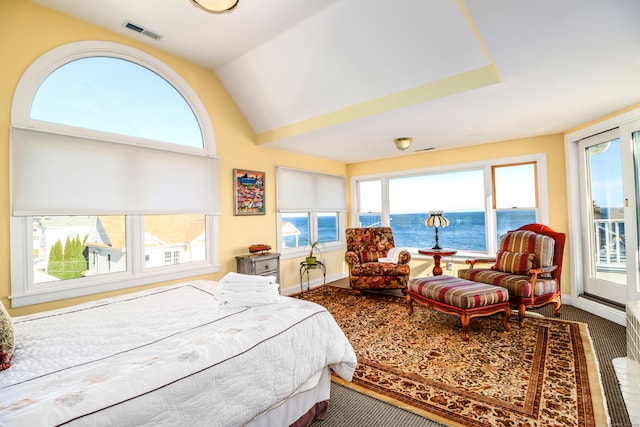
x: 610, y: 239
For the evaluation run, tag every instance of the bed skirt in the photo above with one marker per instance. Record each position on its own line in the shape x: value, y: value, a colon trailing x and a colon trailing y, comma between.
x: 300, y: 409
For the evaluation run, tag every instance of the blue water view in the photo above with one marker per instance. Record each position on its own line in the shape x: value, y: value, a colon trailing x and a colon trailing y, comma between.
x: 466, y: 231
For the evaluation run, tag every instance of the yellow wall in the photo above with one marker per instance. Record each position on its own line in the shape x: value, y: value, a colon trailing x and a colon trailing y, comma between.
x: 551, y: 145
x: 20, y: 45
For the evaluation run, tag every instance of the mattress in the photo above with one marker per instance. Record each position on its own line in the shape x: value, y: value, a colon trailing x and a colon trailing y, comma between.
x: 167, y: 356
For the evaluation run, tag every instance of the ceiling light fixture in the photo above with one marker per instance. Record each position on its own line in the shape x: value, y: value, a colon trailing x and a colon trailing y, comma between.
x: 403, y: 143
x: 216, y: 6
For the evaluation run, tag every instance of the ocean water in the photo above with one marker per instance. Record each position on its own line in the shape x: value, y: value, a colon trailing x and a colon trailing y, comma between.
x: 465, y: 232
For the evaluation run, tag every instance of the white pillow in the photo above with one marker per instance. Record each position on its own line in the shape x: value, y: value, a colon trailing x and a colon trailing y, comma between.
x: 392, y: 255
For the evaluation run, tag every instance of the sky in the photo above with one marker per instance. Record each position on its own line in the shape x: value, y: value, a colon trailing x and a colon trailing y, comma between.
x: 117, y: 96
x: 606, y: 175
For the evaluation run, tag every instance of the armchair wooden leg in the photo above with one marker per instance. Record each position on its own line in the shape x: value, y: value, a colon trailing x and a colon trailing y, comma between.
x: 521, y: 311
x: 409, y: 304
x: 556, y: 307
x: 505, y: 318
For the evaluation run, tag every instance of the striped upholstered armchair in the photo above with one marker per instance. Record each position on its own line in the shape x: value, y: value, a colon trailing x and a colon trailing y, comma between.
x: 374, y: 261
x: 528, y: 264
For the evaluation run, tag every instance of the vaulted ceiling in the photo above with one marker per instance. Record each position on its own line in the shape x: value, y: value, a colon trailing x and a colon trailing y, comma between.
x: 341, y: 79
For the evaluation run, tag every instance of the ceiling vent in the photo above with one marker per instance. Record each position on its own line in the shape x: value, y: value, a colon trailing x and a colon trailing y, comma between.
x: 139, y: 29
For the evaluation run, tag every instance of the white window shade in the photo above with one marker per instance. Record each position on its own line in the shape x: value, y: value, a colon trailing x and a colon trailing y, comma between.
x: 66, y: 175
x: 304, y: 191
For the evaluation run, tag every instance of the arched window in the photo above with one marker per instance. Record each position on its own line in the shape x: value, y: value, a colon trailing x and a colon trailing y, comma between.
x: 117, y: 96
x: 114, y: 178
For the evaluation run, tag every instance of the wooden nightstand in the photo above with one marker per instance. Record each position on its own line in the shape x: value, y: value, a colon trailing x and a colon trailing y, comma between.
x: 264, y: 264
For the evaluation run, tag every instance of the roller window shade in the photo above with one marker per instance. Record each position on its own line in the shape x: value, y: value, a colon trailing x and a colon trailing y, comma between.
x: 304, y: 191
x: 67, y: 175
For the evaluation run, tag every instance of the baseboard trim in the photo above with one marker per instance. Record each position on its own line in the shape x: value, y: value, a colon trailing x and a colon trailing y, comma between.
x: 598, y: 308
x: 313, y: 283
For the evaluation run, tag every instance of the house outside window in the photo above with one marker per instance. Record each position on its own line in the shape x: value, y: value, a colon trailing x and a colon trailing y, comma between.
x: 481, y: 200
x: 113, y: 161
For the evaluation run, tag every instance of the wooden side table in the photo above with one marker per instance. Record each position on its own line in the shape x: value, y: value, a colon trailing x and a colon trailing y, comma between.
x: 437, y: 254
x: 262, y: 264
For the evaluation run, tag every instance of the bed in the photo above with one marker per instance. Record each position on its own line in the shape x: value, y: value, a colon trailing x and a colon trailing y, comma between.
x: 173, y: 356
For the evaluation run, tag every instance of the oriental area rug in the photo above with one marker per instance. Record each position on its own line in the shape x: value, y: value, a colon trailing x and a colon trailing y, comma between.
x: 543, y: 375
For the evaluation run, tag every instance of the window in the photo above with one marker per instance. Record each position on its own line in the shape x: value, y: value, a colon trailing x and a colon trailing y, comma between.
x: 182, y: 237
x: 403, y: 202
x: 515, y: 195
x: 72, y: 247
x: 311, y: 206
x: 411, y: 198
x: 117, y: 96
x: 113, y: 172
x: 370, y: 203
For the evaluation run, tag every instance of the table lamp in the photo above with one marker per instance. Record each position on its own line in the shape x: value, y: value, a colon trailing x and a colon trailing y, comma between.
x: 436, y: 220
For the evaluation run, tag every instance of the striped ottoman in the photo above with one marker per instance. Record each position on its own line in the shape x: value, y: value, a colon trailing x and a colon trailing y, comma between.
x: 462, y: 297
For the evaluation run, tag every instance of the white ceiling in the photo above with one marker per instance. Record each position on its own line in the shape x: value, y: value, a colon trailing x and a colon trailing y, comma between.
x: 341, y: 78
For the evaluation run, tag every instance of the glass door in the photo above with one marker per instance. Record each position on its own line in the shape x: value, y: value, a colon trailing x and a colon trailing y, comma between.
x: 603, y: 218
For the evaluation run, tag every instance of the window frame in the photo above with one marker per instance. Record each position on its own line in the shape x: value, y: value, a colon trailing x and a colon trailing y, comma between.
x: 23, y: 289
x: 542, y: 211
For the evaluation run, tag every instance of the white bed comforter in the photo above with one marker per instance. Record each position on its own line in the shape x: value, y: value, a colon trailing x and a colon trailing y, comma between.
x: 166, y: 356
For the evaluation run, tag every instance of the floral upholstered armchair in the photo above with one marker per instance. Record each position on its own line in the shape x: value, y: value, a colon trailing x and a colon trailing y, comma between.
x: 374, y: 261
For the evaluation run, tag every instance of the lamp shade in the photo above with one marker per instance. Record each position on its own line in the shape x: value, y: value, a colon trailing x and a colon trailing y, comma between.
x: 436, y: 220
x: 216, y: 6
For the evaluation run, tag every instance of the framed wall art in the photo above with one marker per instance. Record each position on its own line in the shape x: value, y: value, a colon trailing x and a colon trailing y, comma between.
x: 249, y: 192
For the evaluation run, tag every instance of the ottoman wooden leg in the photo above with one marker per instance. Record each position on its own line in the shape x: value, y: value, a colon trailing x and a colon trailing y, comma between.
x: 465, y: 319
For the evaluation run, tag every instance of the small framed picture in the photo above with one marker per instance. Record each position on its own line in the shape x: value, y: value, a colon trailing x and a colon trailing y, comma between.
x: 249, y: 192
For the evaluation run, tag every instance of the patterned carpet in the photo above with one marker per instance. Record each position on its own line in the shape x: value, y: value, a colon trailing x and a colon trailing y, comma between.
x: 542, y: 375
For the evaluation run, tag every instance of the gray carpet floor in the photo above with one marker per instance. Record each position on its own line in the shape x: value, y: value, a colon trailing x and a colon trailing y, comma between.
x: 354, y: 409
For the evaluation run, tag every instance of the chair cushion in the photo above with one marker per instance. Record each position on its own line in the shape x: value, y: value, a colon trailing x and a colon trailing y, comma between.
x: 458, y: 292
x: 517, y: 285
x: 379, y: 282
x: 526, y: 241
x: 514, y: 262
x: 380, y: 269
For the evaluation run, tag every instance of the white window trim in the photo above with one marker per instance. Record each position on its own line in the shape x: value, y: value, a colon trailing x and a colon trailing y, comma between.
x: 542, y: 211
x: 23, y: 290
